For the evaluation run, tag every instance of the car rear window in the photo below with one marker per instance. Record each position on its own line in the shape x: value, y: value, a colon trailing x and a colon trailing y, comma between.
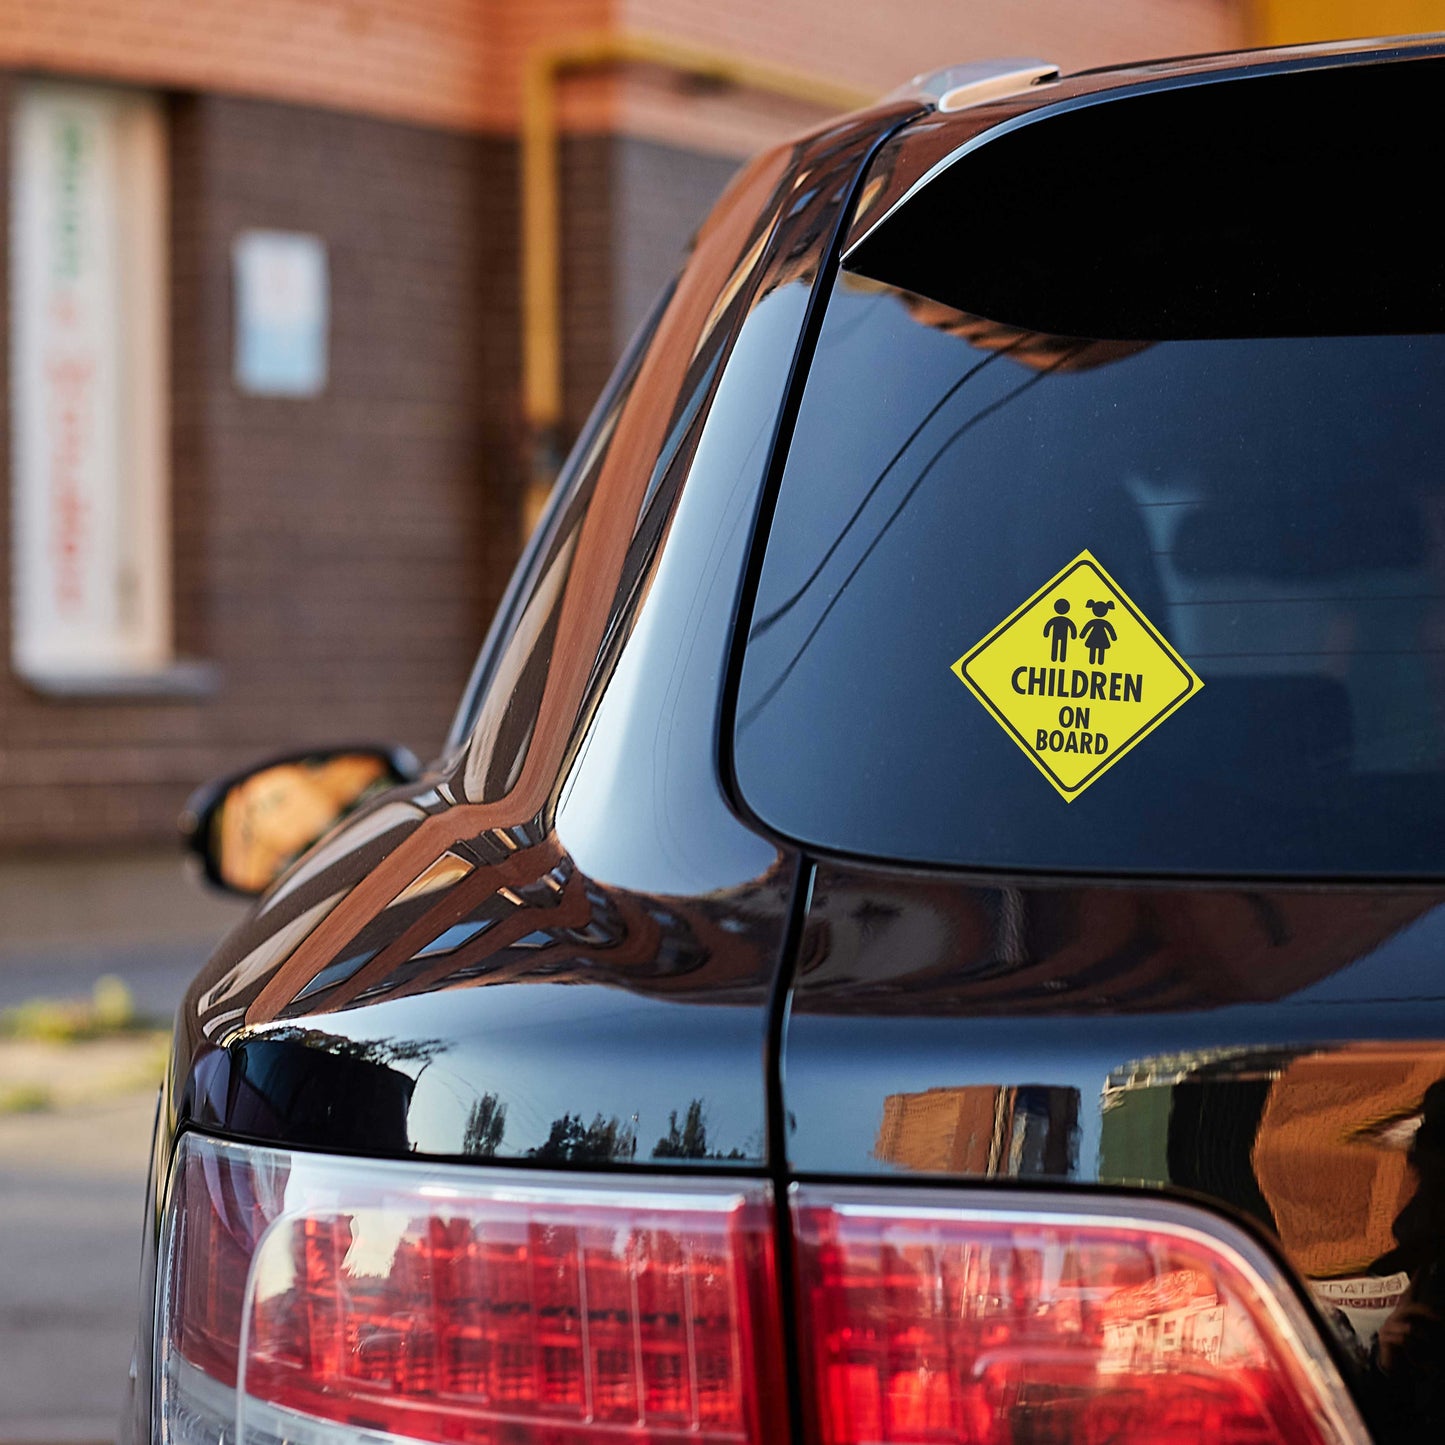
x: 1269, y: 511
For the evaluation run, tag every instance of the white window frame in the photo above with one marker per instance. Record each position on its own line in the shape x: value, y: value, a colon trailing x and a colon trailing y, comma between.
x: 89, y: 382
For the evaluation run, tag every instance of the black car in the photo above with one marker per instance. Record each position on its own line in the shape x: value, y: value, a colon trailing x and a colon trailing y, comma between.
x: 928, y: 927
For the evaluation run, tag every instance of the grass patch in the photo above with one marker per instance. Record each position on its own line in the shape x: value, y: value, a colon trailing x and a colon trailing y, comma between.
x: 25, y: 1099
x: 110, y: 1010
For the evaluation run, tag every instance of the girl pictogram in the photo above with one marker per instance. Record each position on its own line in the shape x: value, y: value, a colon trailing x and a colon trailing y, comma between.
x: 1098, y: 635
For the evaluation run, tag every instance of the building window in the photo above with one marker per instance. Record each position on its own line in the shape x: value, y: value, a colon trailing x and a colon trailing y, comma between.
x: 90, y: 544
x: 281, y: 313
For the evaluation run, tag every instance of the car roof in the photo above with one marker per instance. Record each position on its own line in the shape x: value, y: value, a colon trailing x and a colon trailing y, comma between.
x: 928, y: 143
x: 933, y: 84
x: 1364, y: 46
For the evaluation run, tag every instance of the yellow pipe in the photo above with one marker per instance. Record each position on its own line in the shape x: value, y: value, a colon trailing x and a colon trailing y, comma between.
x: 541, y: 208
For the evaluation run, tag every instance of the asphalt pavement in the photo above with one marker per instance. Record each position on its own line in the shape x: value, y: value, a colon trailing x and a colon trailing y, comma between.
x: 71, y: 1196
x: 65, y: 920
x: 72, y: 1176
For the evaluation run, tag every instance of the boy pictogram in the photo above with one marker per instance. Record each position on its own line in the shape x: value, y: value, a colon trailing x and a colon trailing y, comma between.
x: 1060, y: 629
x: 1098, y: 635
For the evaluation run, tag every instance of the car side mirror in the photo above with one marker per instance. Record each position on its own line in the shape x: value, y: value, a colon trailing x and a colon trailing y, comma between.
x: 246, y: 829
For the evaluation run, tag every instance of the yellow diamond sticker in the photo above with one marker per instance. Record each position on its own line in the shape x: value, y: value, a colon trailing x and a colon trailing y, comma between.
x: 1077, y: 676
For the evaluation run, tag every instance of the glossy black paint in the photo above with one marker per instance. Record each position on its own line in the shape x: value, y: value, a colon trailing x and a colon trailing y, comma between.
x: 1279, y: 1052
x: 508, y: 1047
x: 910, y: 982
x: 565, y: 943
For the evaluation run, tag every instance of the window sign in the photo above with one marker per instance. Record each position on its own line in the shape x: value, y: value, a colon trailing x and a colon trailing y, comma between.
x: 281, y: 313
x: 90, y: 443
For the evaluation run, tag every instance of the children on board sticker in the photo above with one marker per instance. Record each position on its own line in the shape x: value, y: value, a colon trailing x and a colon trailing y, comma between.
x: 1067, y: 675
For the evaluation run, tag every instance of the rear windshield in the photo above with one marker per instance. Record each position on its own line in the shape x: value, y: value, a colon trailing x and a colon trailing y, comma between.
x: 1247, y: 675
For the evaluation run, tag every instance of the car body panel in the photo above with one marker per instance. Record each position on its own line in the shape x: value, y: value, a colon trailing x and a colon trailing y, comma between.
x: 392, y: 973
x: 908, y: 982
x: 1274, y: 1051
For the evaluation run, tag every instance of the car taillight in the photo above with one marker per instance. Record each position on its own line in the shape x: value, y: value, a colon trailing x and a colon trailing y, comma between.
x: 1015, y: 1320
x: 308, y: 1298
x: 328, y: 1301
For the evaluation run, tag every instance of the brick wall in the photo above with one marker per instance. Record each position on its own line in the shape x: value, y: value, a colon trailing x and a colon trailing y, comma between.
x: 337, y: 559
x: 449, y: 63
x: 661, y: 195
x: 586, y: 190
x: 877, y: 47
x: 629, y: 208
x: 418, y: 59
x: 458, y: 63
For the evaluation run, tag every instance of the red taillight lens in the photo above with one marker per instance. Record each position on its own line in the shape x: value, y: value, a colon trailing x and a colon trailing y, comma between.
x: 462, y: 1305
x: 324, y: 1301
x: 933, y: 1322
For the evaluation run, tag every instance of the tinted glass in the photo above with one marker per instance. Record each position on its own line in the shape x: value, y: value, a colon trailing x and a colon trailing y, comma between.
x: 1275, y: 508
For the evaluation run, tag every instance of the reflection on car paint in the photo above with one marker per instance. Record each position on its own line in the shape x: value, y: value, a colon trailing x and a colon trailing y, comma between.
x: 660, y: 951
x: 1196, y: 1038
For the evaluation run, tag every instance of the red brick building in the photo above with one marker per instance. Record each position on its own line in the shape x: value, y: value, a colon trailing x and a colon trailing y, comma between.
x: 311, y: 554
